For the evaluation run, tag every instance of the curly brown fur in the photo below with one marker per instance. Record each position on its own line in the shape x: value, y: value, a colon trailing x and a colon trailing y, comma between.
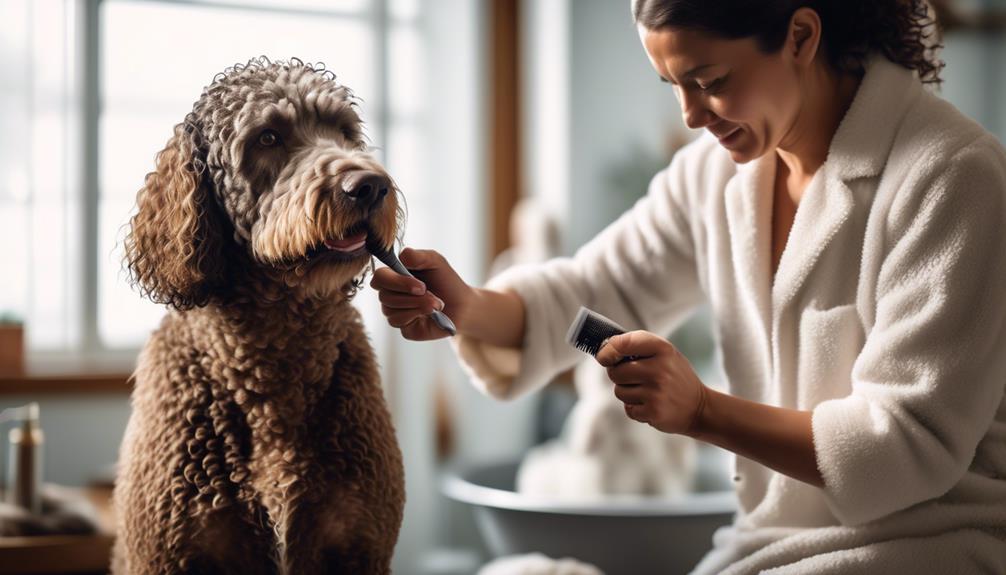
x: 260, y: 440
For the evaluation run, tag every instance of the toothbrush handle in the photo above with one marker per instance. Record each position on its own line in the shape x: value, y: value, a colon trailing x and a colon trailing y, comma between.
x: 444, y: 322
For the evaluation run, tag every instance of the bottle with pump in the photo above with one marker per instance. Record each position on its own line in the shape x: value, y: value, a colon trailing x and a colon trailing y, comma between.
x: 24, y: 459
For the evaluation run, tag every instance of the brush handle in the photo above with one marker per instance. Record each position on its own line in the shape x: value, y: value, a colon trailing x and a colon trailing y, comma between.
x: 389, y: 259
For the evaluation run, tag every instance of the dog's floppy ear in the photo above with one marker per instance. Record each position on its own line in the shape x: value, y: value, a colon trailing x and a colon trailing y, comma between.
x: 174, y: 249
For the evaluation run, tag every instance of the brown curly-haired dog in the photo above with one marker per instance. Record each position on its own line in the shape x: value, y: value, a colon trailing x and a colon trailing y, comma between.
x: 260, y: 440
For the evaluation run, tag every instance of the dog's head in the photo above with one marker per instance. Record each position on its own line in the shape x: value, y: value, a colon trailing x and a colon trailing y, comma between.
x: 269, y: 177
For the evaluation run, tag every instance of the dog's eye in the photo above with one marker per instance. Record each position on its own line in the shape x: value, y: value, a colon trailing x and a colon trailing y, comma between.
x: 268, y: 138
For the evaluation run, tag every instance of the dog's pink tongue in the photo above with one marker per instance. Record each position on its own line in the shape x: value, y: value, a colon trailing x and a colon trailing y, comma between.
x: 347, y: 244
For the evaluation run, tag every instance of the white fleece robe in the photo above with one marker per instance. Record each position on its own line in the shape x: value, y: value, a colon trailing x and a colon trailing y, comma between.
x: 885, y: 317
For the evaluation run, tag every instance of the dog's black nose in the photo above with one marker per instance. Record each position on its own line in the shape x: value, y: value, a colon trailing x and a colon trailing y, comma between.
x: 369, y: 190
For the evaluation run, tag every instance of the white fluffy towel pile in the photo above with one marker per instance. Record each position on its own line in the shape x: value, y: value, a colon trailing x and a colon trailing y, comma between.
x: 538, y: 564
x: 602, y: 452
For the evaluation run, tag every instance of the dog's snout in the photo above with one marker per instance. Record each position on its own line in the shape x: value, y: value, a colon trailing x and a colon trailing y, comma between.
x: 368, y: 190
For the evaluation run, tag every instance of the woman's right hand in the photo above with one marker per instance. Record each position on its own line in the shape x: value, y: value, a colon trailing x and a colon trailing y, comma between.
x: 408, y: 302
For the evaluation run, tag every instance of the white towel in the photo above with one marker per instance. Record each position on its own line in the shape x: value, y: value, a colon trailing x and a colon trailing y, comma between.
x: 602, y: 452
x: 538, y: 564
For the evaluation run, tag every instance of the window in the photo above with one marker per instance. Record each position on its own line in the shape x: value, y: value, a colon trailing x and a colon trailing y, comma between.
x: 90, y: 93
x: 39, y: 206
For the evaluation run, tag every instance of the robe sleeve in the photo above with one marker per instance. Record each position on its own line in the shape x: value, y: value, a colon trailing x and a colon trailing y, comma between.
x: 640, y: 271
x: 931, y: 373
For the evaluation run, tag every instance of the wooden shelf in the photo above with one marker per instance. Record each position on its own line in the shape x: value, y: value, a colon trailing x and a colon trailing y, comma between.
x: 58, y: 383
x: 63, y: 553
x: 55, y: 554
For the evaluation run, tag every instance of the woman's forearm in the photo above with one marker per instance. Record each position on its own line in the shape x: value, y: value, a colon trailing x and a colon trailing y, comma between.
x: 776, y: 437
x: 496, y: 318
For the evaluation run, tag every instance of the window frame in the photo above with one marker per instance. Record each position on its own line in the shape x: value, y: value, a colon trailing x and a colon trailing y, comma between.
x: 91, y: 354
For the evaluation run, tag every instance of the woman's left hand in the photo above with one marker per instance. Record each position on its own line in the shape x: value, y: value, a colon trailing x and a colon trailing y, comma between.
x: 659, y: 387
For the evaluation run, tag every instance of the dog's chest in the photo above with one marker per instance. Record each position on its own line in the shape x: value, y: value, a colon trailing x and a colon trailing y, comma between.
x: 323, y: 462
x: 303, y: 483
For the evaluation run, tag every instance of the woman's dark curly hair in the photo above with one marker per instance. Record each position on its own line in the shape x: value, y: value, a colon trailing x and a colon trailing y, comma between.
x: 902, y: 30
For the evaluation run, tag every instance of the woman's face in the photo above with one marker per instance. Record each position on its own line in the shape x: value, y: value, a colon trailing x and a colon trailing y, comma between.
x: 746, y: 98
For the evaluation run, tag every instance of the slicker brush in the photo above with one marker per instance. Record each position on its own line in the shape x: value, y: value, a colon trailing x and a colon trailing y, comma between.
x: 590, y: 330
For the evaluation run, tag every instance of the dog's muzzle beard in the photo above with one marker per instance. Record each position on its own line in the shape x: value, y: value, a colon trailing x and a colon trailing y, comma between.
x: 327, y: 220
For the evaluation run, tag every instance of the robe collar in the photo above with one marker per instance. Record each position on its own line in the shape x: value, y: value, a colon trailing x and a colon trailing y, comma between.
x: 859, y: 149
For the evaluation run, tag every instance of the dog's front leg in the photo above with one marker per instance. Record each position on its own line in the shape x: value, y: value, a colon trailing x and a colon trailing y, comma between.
x: 152, y: 535
x: 357, y: 548
x: 357, y: 560
x: 156, y: 532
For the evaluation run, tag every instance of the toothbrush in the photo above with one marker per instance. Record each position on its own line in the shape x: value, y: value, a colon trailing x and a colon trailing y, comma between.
x: 389, y: 259
x: 590, y: 330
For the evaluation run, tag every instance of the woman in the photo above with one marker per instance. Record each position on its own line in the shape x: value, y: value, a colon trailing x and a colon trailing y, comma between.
x: 846, y: 227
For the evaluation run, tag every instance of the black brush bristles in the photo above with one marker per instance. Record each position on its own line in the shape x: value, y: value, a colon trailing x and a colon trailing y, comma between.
x: 377, y: 249
x: 589, y: 331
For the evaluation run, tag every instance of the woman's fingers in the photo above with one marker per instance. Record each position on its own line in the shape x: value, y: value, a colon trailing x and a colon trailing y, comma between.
x: 396, y: 301
x: 638, y: 343
x: 631, y: 393
x: 637, y: 371
x: 403, y: 317
x: 422, y: 329
x: 414, y: 259
x: 407, y: 302
x: 638, y: 412
x: 389, y: 279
